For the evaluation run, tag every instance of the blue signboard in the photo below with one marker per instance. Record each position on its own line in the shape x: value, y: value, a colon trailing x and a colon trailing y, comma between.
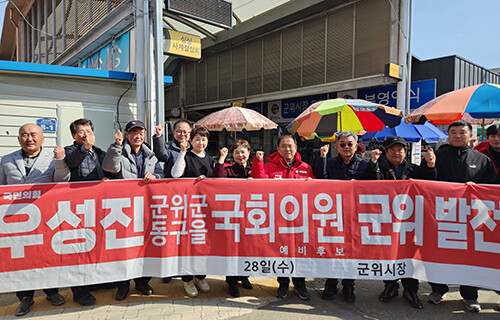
x: 115, y: 56
x: 121, y: 53
x: 47, y: 125
x: 421, y: 92
x: 291, y: 108
x: 106, y: 58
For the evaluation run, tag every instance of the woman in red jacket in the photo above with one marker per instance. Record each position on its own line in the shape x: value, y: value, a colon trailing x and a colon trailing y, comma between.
x: 240, y: 169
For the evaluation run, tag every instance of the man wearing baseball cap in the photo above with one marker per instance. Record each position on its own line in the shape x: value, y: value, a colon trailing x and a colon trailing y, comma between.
x: 396, y: 167
x: 132, y: 159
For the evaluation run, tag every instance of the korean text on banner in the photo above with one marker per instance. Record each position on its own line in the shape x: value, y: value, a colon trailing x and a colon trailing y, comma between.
x: 69, y: 234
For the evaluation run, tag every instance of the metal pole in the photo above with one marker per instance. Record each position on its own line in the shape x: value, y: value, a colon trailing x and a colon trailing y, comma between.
x: 160, y: 91
x: 39, y: 27
x: 75, y: 5
x: 139, y: 59
x: 149, y: 96
x: 54, y: 37
x: 408, y: 60
x: 63, y: 19
x: 46, y: 30
x: 402, y: 47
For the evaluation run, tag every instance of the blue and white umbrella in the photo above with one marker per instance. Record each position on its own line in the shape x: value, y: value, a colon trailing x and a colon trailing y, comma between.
x: 408, y: 131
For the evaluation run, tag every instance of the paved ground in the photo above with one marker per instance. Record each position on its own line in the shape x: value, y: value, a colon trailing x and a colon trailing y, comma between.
x: 169, y: 302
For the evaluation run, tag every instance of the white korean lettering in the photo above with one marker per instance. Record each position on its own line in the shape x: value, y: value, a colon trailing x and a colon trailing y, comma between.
x: 257, y: 216
x: 227, y: 215
x: 324, y: 217
x: 402, y: 206
x: 60, y: 247
x: 482, y: 217
x: 376, y: 219
x: 17, y: 244
x: 304, y: 229
x: 29, y: 209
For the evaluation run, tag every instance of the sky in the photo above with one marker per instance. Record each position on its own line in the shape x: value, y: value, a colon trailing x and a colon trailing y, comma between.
x: 469, y: 29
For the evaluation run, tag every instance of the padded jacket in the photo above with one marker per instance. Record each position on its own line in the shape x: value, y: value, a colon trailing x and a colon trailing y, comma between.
x: 45, y: 169
x: 83, y: 166
x: 335, y: 168
x: 277, y: 168
x: 119, y: 160
x: 462, y: 164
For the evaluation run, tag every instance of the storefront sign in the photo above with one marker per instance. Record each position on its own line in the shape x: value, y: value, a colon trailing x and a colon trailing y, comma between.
x: 182, y: 44
x: 284, y: 111
x: 393, y: 70
x: 115, y: 56
x: 421, y: 92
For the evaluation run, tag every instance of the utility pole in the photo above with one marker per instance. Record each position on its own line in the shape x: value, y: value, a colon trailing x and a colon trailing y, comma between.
x: 139, y: 60
x: 408, y: 60
x: 160, y: 91
x: 402, y: 54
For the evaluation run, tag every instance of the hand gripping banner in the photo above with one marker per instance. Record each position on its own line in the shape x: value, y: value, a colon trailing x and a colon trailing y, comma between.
x: 69, y: 234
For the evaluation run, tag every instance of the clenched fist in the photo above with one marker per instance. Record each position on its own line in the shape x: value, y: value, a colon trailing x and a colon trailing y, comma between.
x: 323, y: 151
x: 375, y: 155
x: 89, y: 141
x: 159, y: 130
x: 184, y: 145
x: 59, y: 152
x: 223, y: 154
x: 430, y: 158
x: 259, y: 155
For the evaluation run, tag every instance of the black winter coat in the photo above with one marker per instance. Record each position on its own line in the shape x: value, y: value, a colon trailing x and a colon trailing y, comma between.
x: 384, y: 170
x: 335, y: 168
x: 83, y: 166
x: 462, y: 164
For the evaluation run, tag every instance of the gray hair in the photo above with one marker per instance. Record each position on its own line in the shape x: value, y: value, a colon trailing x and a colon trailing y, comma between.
x: 345, y: 134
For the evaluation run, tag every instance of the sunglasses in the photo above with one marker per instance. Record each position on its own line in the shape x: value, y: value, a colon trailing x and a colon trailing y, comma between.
x: 343, y: 145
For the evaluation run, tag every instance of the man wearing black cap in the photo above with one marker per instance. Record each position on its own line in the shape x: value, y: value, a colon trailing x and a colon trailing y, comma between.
x: 396, y: 167
x: 132, y: 159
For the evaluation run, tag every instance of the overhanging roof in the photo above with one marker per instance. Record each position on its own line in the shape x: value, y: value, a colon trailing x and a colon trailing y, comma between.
x: 243, y: 10
x: 68, y: 72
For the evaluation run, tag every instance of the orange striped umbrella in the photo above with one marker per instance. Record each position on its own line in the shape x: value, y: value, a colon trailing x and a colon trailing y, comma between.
x: 479, y: 101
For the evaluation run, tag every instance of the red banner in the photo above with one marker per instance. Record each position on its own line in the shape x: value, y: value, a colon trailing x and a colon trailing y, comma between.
x: 59, y: 235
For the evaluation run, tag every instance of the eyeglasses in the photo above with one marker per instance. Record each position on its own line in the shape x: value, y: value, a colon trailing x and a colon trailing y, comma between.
x: 343, y: 145
x: 183, y: 132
